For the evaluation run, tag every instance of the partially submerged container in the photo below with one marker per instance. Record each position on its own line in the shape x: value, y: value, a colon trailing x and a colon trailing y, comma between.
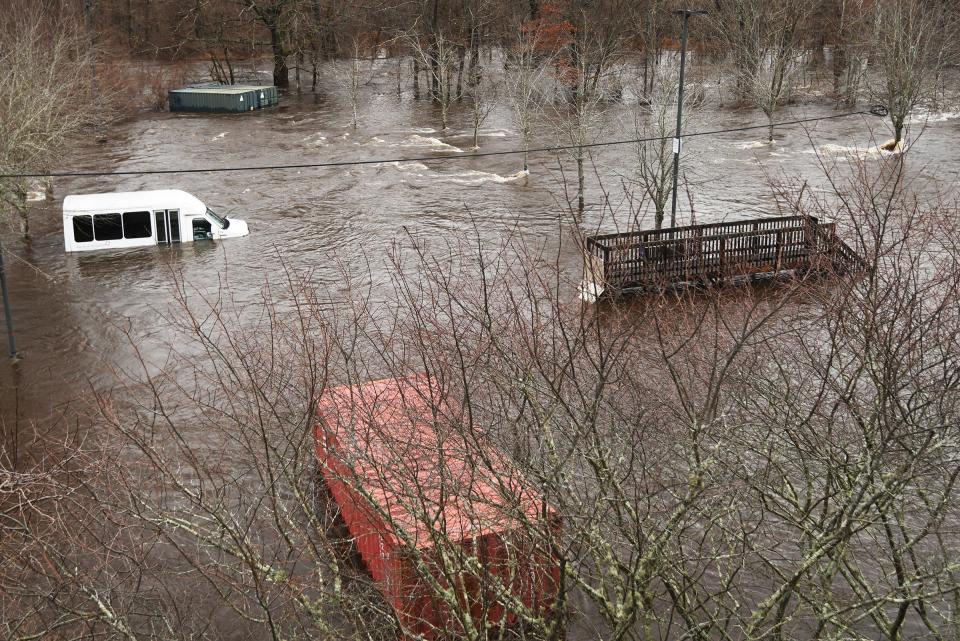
x: 217, y: 98
x: 442, y: 521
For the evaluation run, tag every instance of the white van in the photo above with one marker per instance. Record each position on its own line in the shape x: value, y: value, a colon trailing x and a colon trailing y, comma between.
x: 138, y: 218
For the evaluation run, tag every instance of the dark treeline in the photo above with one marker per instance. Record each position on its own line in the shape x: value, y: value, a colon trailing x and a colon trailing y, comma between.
x: 303, y: 33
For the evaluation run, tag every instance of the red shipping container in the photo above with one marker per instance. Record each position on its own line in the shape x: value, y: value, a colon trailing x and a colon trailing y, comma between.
x: 452, y: 534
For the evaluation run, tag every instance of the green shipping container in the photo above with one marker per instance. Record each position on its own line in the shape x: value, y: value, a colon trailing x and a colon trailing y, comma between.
x: 223, y: 98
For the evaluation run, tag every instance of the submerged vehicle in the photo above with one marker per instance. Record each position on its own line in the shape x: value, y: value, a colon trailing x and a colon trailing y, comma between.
x: 121, y: 220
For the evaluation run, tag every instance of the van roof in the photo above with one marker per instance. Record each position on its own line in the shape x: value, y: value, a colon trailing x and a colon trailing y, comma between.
x: 132, y: 200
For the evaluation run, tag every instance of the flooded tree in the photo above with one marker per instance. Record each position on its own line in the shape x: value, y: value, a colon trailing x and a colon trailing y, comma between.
x: 652, y: 24
x: 526, y: 70
x: 47, y: 96
x: 275, y: 16
x: 437, y: 56
x: 484, y: 95
x: 765, y: 40
x: 654, y: 125
x: 849, y: 19
x: 909, y: 43
x: 354, y: 78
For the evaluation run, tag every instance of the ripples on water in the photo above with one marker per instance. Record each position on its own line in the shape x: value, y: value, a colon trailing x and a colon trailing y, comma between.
x: 67, y: 308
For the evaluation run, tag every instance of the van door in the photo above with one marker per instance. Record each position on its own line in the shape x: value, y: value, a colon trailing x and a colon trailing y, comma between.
x: 168, y: 226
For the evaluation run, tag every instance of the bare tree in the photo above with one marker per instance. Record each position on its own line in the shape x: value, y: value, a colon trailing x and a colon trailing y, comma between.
x: 484, y: 96
x: 354, y: 78
x: 44, y: 62
x: 438, y: 57
x: 765, y: 40
x: 526, y: 71
x: 908, y: 44
x: 654, y: 122
x: 275, y: 16
x: 651, y: 24
x: 850, y: 19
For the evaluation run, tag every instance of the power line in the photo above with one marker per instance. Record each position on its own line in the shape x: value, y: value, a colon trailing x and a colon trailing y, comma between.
x: 876, y: 110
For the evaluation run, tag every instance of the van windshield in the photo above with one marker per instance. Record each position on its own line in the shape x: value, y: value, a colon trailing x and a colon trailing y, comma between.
x: 221, y: 221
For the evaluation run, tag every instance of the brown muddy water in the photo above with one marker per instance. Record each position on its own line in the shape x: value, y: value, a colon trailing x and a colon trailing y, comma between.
x: 70, y: 309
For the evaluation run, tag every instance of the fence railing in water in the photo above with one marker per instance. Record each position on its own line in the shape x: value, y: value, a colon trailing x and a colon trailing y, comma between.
x: 715, y: 252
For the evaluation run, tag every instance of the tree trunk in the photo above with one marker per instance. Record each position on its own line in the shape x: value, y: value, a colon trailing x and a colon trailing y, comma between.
x: 475, y: 70
x: 226, y: 59
x: 435, y: 86
x: 20, y: 205
x: 581, y: 181
x: 462, y: 52
x: 839, y: 69
x: 646, y: 65
x: 281, y: 73
x: 299, y: 67
x: 24, y: 223
x: 434, y: 54
x: 399, y: 88
x: 416, y: 78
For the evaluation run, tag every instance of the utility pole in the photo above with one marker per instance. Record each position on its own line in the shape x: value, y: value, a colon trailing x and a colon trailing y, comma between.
x: 677, y: 141
x: 8, y: 315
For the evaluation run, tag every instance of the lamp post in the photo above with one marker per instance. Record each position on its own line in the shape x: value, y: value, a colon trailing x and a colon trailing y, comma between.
x: 686, y: 13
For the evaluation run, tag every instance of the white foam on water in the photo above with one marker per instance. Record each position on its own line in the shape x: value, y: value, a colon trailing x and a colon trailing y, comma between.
x: 855, y: 151
x: 753, y: 144
x: 315, y: 139
x: 376, y: 141
x: 428, y: 142
x: 406, y: 166
x: 923, y: 116
x: 422, y: 130
x: 220, y: 136
x: 481, y: 177
x: 470, y: 177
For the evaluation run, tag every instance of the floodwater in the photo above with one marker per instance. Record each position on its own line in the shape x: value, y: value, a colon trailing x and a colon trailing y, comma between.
x: 71, y: 310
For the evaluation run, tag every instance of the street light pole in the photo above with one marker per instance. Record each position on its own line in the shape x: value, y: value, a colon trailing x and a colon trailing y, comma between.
x: 677, y: 141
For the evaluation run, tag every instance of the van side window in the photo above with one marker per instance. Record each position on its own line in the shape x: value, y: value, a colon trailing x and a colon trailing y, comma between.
x: 136, y: 224
x: 107, y: 227
x: 82, y: 229
x: 201, y: 229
